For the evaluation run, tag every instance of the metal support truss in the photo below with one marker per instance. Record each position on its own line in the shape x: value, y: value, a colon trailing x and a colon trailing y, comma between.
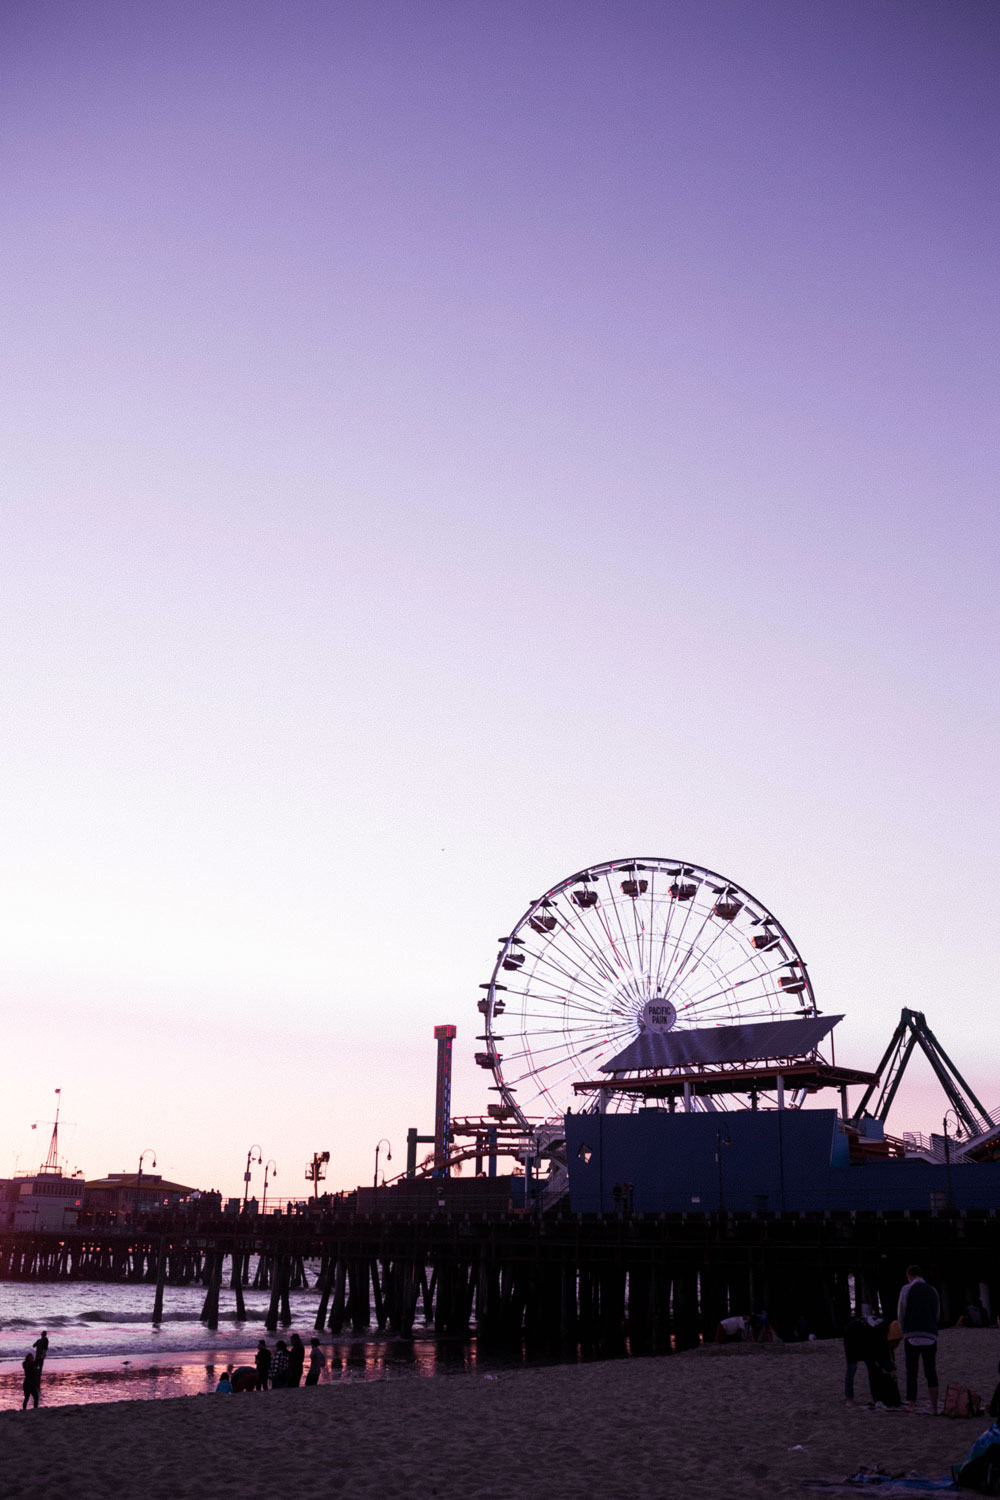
x: 913, y: 1031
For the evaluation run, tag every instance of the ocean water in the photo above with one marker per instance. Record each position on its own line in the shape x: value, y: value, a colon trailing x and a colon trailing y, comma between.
x: 103, y: 1346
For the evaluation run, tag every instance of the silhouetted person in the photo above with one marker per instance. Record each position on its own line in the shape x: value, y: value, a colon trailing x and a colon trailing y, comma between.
x: 918, y: 1312
x: 317, y: 1359
x: 30, y: 1383
x: 41, y: 1347
x: 296, y: 1359
x: 279, y: 1366
x: 855, y: 1350
x: 262, y: 1359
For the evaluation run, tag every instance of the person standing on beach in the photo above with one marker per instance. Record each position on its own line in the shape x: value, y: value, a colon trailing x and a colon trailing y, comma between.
x: 855, y: 1348
x: 41, y: 1347
x: 317, y: 1359
x: 918, y: 1313
x: 296, y: 1359
x: 262, y: 1359
x: 279, y: 1366
x: 31, y: 1381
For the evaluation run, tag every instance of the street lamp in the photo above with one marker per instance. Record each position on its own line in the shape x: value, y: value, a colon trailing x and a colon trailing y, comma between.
x: 720, y: 1141
x: 246, y: 1175
x: 388, y: 1157
x: 947, y: 1151
x: 270, y: 1164
x: 138, y: 1176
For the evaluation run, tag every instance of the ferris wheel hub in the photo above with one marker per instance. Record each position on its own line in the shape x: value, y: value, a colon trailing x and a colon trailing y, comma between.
x: 659, y: 1015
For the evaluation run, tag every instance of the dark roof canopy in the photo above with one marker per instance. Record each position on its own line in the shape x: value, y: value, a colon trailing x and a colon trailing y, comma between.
x: 722, y: 1044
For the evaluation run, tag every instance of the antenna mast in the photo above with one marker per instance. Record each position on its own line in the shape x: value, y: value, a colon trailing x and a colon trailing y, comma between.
x: 51, y: 1163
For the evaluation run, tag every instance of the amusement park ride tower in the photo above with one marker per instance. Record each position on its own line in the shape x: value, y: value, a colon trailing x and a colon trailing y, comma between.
x: 444, y: 1036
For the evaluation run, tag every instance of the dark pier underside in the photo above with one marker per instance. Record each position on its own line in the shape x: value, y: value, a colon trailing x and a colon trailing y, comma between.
x: 661, y: 1282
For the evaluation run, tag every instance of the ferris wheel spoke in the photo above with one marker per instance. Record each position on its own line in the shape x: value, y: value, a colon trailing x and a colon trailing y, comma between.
x: 537, y: 987
x: 563, y: 991
x: 689, y: 908
x: 571, y: 1020
x: 575, y: 976
x: 757, y: 959
x: 585, y: 1046
x: 584, y: 926
x: 594, y: 955
x: 747, y: 1013
x: 739, y: 984
x: 639, y: 940
x: 671, y: 908
x: 702, y: 955
x: 584, y: 1029
x: 604, y: 921
x: 562, y: 1003
x: 621, y: 926
x: 518, y: 1079
x: 677, y: 940
x: 675, y: 981
x: 551, y: 1007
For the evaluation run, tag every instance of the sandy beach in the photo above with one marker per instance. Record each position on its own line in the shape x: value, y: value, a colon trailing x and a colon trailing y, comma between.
x: 743, y: 1420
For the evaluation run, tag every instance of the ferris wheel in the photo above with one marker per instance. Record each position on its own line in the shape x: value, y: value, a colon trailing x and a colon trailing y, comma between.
x: 576, y: 977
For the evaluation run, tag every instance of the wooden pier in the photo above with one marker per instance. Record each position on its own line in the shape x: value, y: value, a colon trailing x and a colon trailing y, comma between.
x: 659, y: 1282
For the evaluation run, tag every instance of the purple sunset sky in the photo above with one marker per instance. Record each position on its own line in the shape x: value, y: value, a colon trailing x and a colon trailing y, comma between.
x: 447, y: 444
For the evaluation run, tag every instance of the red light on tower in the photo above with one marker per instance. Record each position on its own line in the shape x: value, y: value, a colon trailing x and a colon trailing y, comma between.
x: 444, y: 1036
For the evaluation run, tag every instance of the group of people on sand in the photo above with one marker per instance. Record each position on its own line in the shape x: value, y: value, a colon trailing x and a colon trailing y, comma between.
x: 745, y: 1327
x: 276, y: 1368
x: 872, y: 1340
x: 32, y: 1364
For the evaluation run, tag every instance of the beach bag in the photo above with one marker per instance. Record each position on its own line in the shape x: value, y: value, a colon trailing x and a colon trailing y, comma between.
x: 959, y: 1401
x: 980, y: 1469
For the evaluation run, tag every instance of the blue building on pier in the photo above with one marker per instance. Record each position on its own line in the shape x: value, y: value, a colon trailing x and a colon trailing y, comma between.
x: 680, y: 1152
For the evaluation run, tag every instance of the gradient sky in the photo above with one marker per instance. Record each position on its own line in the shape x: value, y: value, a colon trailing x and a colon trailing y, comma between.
x: 447, y: 444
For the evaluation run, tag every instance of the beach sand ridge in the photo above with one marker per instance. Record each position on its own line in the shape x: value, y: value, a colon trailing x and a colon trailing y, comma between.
x: 749, y: 1421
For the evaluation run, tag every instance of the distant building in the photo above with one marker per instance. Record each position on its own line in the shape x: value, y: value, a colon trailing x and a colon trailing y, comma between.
x: 45, y: 1200
x: 128, y: 1193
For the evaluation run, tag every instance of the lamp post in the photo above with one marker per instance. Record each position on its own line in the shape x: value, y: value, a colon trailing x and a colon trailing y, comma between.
x: 947, y: 1152
x: 388, y: 1157
x: 720, y: 1141
x: 138, y: 1176
x: 270, y: 1164
x: 246, y: 1175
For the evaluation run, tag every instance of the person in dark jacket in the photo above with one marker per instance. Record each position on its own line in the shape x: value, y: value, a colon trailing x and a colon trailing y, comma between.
x: 317, y: 1359
x: 262, y: 1359
x: 296, y: 1359
x: 32, y: 1380
x: 866, y: 1342
x: 854, y: 1352
x: 918, y: 1313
